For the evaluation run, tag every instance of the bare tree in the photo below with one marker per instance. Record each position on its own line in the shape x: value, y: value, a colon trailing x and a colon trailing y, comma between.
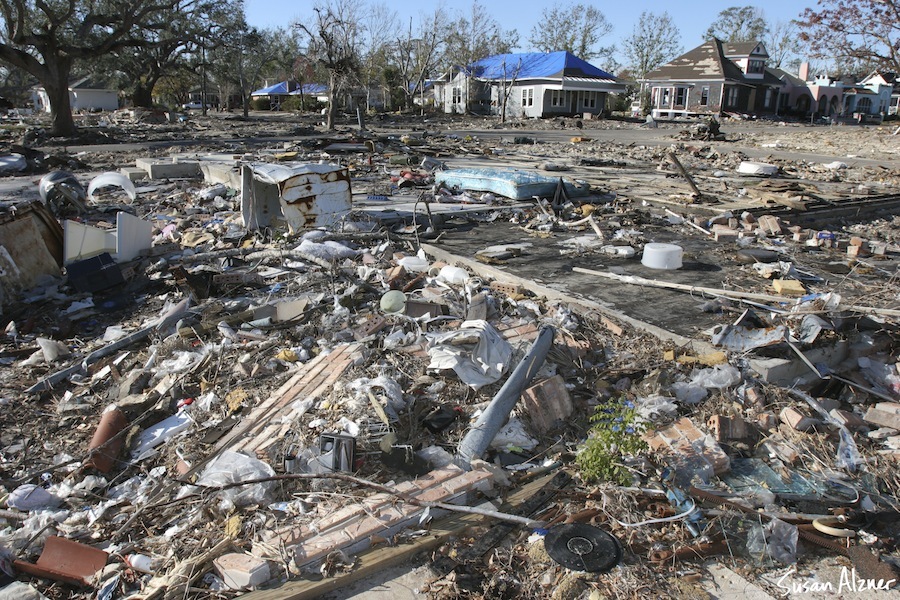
x: 477, y: 36
x: 783, y: 44
x: 738, y: 24
x: 507, y: 83
x: 576, y: 28
x: 418, y: 52
x: 333, y: 39
x: 46, y: 39
x: 376, y: 38
x: 862, y: 30
x: 653, y: 42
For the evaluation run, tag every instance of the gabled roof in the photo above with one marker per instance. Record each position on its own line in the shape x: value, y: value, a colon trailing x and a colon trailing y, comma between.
x: 282, y: 87
x: 536, y: 65
x: 91, y: 83
x: 744, y: 49
x: 706, y: 62
x: 308, y: 89
x: 783, y: 75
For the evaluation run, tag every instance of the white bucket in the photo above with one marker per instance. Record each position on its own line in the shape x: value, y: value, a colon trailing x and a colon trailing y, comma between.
x: 662, y: 256
x: 454, y: 275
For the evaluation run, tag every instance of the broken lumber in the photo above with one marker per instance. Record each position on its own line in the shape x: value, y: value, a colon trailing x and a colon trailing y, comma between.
x: 685, y: 174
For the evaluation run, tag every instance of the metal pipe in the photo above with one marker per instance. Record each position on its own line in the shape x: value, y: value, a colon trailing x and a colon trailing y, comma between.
x: 485, y: 429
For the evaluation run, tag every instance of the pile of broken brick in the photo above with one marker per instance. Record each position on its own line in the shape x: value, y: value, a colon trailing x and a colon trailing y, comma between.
x: 220, y: 398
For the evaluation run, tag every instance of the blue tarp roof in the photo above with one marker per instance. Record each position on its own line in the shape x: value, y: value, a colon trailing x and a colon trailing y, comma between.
x: 535, y: 65
x: 309, y: 89
x: 282, y: 87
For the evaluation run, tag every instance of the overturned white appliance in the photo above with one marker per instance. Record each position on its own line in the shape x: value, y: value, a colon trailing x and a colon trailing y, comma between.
x: 131, y: 237
x: 298, y: 195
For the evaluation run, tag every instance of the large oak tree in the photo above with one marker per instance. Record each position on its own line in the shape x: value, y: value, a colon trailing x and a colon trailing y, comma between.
x: 47, y: 37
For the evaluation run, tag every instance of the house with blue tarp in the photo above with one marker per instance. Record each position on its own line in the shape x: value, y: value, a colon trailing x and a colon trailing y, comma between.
x: 530, y: 84
x: 277, y: 92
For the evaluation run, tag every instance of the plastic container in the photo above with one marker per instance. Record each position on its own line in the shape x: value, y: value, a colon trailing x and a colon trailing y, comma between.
x: 662, y: 256
x: 455, y: 275
x: 413, y: 264
x: 393, y: 301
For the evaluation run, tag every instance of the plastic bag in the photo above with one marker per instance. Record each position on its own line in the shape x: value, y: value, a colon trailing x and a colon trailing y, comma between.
x: 233, y: 467
x: 719, y: 377
x: 689, y: 393
x: 29, y: 497
x: 776, y: 539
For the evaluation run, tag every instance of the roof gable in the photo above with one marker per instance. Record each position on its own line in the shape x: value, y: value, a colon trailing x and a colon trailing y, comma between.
x: 535, y: 65
x: 753, y: 49
x: 705, y: 62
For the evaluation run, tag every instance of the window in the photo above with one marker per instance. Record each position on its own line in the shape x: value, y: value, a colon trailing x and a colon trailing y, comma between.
x: 770, y: 94
x: 704, y: 96
x: 557, y: 98
x: 680, y: 96
x: 756, y: 66
x: 731, y: 99
x: 527, y: 96
x: 590, y: 100
x: 456, y: 95
x: 666, y: 98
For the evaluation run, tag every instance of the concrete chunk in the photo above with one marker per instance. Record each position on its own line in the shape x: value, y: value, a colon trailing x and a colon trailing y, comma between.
x: 172, y: 168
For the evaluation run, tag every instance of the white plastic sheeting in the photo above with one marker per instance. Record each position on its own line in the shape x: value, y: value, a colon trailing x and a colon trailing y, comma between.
x: 476, y: 352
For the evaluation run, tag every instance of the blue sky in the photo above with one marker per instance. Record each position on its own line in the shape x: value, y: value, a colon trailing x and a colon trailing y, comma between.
x: 692, y: 17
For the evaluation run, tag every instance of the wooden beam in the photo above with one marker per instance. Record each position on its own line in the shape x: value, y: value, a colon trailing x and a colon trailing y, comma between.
x: 376, y: 560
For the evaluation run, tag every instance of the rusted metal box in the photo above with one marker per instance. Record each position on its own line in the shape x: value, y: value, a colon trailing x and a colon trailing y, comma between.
x: 294, y: 195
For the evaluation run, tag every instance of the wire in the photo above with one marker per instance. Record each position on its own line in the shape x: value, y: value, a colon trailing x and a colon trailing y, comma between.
x: 683, y: 515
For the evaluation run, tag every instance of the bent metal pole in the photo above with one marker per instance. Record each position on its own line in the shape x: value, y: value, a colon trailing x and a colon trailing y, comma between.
x: 483, y: 432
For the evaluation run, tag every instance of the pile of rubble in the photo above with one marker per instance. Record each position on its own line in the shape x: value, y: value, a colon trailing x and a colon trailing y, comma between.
x: 273, y: 373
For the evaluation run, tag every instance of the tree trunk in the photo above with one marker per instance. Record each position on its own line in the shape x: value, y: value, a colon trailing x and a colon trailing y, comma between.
x: 332, y: 106
x: 143, y: 95
x: 57, y: 87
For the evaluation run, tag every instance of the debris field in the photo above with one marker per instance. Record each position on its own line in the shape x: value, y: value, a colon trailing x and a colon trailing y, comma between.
x: 557, y: 359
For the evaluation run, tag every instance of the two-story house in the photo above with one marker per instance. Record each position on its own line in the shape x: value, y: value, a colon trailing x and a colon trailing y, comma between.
x: 714, y: 78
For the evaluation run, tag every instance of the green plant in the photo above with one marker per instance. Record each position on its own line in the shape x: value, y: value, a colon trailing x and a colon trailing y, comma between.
x: 615, y: 432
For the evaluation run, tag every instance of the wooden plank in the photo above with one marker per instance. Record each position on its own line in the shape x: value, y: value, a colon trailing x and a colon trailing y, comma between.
x: 373, y: 561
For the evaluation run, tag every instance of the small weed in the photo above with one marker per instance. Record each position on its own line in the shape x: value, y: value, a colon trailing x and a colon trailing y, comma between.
x: 616, y: 432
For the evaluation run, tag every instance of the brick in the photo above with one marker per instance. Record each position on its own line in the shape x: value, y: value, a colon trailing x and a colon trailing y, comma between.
x: 854, y: 251
x: 767, y: 421
x: 850, y: 420
x: 395, y: 275
x: 726, y: 429
x: 547, y: 403
x: 725, y: 234
x: 510, y: 289
x: 857, y: 241
x: 795, y: 419
x: 788, y: 287
x: 884, y: 414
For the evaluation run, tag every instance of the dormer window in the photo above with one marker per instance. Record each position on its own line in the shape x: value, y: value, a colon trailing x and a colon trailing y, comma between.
x: 756, y: 66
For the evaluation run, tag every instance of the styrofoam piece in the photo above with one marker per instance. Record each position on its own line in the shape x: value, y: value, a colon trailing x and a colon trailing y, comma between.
x: 662, y: 256
x: 112, y: 178
x: 756, y: 168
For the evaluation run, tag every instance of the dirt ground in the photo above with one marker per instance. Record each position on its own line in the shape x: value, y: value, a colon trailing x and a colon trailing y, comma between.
x: 760, y: 460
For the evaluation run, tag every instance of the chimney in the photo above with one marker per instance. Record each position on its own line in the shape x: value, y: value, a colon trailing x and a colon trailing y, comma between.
x: 804, y: 71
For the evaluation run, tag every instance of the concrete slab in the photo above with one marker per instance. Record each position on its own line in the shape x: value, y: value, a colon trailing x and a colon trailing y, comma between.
x: 172, y: 168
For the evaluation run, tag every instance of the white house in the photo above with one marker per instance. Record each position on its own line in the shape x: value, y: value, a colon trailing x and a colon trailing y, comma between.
x: 84, y: 94
x: 536, y: 84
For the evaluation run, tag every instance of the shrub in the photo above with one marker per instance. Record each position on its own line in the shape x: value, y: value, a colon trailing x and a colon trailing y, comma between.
x: 615, y: 433
x: 260, y: 104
